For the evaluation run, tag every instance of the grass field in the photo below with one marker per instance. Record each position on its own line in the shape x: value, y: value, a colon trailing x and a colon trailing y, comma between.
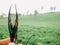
x: 40, y: 29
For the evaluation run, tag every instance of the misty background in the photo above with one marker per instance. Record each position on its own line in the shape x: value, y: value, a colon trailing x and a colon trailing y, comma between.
x: 29, y: 6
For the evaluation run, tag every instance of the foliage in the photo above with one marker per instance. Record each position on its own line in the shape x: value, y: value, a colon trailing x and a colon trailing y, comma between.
x: 40, y: 29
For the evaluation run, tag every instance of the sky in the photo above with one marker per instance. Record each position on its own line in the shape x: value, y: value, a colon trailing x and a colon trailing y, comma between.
x: 28, y: 5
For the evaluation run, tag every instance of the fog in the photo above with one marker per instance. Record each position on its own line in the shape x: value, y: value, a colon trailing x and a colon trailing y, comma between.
x: 24, y: 6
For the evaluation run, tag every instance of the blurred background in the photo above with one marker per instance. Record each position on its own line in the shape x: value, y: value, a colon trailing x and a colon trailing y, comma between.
x: 29, y: 6
x: 39, y: 21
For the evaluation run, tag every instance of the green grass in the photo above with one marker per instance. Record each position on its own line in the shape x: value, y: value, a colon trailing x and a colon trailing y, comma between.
x: 40, y: 29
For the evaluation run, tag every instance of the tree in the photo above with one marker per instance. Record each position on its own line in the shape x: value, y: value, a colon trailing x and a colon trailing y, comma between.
x: 42, y: 7
x: 36, y: 12
x: 53, y: 9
